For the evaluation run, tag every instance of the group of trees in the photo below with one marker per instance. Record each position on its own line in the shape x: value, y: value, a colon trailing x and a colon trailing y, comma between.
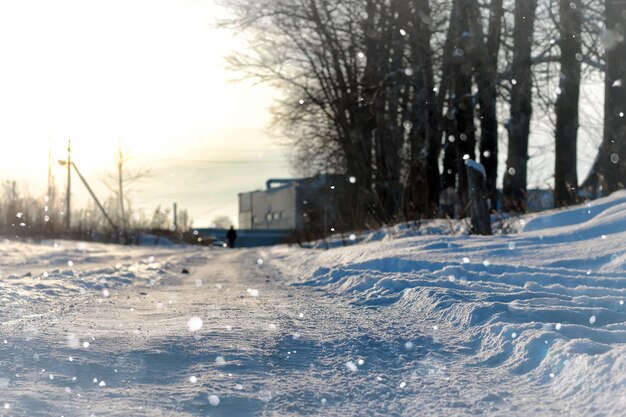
x: 112, y: 219
x: 399, y: 93
x: 25, y: 216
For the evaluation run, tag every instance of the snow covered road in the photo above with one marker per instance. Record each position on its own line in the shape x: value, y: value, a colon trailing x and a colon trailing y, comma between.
x: 264, y: 347
x: 520, y: 324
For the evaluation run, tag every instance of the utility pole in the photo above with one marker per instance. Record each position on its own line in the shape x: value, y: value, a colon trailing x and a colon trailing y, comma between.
x: 51, y: 197
x: 69, y: 186
x: 50, y: 177
x: 120, y: 169
x: 175, y: 212
x: 93, y: 195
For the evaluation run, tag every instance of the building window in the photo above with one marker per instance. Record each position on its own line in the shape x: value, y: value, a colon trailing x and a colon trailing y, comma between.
x: 268, y: 217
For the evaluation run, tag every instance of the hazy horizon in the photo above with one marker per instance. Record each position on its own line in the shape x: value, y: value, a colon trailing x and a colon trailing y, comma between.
x: 206, y: 188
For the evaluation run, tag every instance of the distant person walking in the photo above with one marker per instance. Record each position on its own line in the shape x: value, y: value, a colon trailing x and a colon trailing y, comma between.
x: 231, y: 236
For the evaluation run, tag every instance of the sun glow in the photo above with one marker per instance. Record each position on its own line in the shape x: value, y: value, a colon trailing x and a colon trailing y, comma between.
x: 150, y: 73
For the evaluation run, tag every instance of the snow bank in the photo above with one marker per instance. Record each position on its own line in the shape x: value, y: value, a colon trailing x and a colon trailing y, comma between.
x: 545, y: 306
x: 577, y: 215
x: 40, y: 277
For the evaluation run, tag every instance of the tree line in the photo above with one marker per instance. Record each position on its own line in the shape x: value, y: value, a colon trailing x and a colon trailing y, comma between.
x: 400, y: 93
x: 23, y: 216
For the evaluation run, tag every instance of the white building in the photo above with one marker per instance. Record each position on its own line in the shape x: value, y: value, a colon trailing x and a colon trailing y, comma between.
x: 293, y: 204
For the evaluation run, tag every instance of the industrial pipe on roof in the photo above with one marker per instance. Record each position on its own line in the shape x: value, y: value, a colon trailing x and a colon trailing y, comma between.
x: 268, y: 183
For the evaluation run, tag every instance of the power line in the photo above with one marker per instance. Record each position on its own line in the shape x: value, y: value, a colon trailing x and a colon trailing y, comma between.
x: 213, y: 161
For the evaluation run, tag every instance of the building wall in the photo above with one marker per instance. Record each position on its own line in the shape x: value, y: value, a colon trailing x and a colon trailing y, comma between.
x: 245, y: 210
x: 310, y: 204
x: 271, y: 209
x: 247, y: 238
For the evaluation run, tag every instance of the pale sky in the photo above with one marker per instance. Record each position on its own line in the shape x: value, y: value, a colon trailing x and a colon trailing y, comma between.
x: 150, y: 73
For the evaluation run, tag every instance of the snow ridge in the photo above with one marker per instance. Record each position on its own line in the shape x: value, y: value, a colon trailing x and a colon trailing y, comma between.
x: 545, y: 306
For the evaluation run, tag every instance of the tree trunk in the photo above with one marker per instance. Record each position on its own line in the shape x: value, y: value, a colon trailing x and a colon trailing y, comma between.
x: 486, y: 64
x: 465, y: 139
x: 514, y: 182
x: 445, y: 118
x: 481, y: 222
x: 422, y: 196
x: 463, y: 108
x: 609, y: 169
x: 565, y: 176
x: 391, y: 110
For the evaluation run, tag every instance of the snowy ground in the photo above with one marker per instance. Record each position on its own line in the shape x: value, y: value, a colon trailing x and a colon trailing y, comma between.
x: 521, y: 324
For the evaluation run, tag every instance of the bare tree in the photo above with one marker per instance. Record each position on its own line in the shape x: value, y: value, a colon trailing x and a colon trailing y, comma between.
x: 423, y: 177
x: 377, y: 89
x: 462, y: 105
x: 355, y: 77
x: 515, y: 177
x: 608, y: 172
x: 222, y: 222
x: 486, y: 70
x: 120, y: 184
x: 565, y: 174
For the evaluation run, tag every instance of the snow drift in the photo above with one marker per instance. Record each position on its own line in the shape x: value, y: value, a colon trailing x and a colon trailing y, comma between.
x: 544, y: 308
